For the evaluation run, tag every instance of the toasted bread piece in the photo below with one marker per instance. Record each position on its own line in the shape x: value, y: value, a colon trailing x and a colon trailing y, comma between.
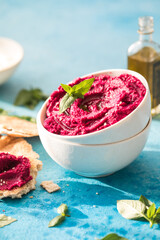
x: 50, y: 186
x: 16, y: 127
x: 20, y: 147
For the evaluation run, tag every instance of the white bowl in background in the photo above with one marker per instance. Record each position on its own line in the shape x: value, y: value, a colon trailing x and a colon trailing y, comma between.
x: 11, y: 54
x: 125, y: 128
x: 92, y: 160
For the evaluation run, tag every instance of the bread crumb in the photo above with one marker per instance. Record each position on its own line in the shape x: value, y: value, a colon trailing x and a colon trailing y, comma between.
x: 31, y: 197
x: 97, y: 193
x: 50, y: 186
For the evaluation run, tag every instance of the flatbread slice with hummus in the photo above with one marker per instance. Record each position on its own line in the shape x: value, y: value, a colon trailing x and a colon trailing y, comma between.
x: 16, y: 127
x: 20, y: 147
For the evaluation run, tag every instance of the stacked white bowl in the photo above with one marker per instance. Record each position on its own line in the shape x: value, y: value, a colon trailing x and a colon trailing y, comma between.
x: 102, y: 152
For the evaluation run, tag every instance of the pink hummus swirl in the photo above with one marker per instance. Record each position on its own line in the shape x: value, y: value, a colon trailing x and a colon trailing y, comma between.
x: 14, y: 171
x: 109, y: 100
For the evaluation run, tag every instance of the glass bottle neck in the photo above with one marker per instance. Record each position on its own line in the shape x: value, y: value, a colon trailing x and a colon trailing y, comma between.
x: 145, y: 37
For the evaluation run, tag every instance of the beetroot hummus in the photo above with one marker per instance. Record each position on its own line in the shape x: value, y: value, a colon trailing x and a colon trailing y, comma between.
x: 14, y: 171
x: 109, y: 100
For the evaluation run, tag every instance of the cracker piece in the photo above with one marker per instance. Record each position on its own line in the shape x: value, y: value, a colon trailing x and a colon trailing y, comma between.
x: 20, y: 147
x: 16, y: 127
x: 50, y: 186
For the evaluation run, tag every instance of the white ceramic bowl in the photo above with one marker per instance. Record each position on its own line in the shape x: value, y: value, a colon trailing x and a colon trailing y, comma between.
x: 11, y: 54
x: 125, y: 128
x: 92, y: 160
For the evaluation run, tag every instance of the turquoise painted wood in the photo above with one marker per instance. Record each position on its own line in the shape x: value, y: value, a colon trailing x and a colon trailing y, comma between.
x: 63, y: 40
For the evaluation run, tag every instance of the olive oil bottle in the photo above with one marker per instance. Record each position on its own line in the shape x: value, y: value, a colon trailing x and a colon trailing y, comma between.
x: 144, y: 57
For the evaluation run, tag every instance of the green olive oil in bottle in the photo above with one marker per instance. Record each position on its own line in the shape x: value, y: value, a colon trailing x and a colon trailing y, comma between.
x: 144, y: 58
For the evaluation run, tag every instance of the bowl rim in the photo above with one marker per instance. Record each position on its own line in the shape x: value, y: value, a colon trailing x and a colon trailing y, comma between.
x: 121, y: 141
x: 111, y: 143
x: 107, y: 71
x: 10, y: 66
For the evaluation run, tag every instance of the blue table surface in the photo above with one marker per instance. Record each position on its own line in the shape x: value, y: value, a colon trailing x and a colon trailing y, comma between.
x: 63, y: 40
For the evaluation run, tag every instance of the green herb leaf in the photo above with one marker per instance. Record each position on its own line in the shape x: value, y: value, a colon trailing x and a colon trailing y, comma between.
x: 30, y: 98
x: 66, y: 88
x: 6, y: 113
x: 23, y: 97
x: 151, y: 211
x: 63, y: 209
x: 56, y: 221
x: 156, y: 218
x: 113, y: 236
x: 83, y: 87
x: 77, y: 91
x: 5, y: 220
x: 144, y: 200
x: 158, y: 211
x: 139, y: 209
x: 30, y: 119
x: 131, y: 209
x: 66, y: 102
x: 3, y: 112
x: 84, y: 108
x: 38, y: 94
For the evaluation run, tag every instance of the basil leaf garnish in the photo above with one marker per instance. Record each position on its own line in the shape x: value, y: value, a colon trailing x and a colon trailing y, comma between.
x: 73, y: 93
x: 66, y: 88
x: 66, y: 102
x: 83, y: 87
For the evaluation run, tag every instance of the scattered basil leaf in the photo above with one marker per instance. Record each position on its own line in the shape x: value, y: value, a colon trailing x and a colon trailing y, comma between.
x: 63, y: 209
x: 113, y: 236
x: 144, y: 200
x: 158, y: 211
x: 73, y: 93
x: 139, y: 209
x: 5, y: 220
x: 156, y: 218
x: 3, y: 112
x: 23, y: 97
x: 30, y: 98
x: 6, y: 113
x: 131, y: 209
x: 56, y: 221
x: 28, y: 118
x: 151, y: 210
